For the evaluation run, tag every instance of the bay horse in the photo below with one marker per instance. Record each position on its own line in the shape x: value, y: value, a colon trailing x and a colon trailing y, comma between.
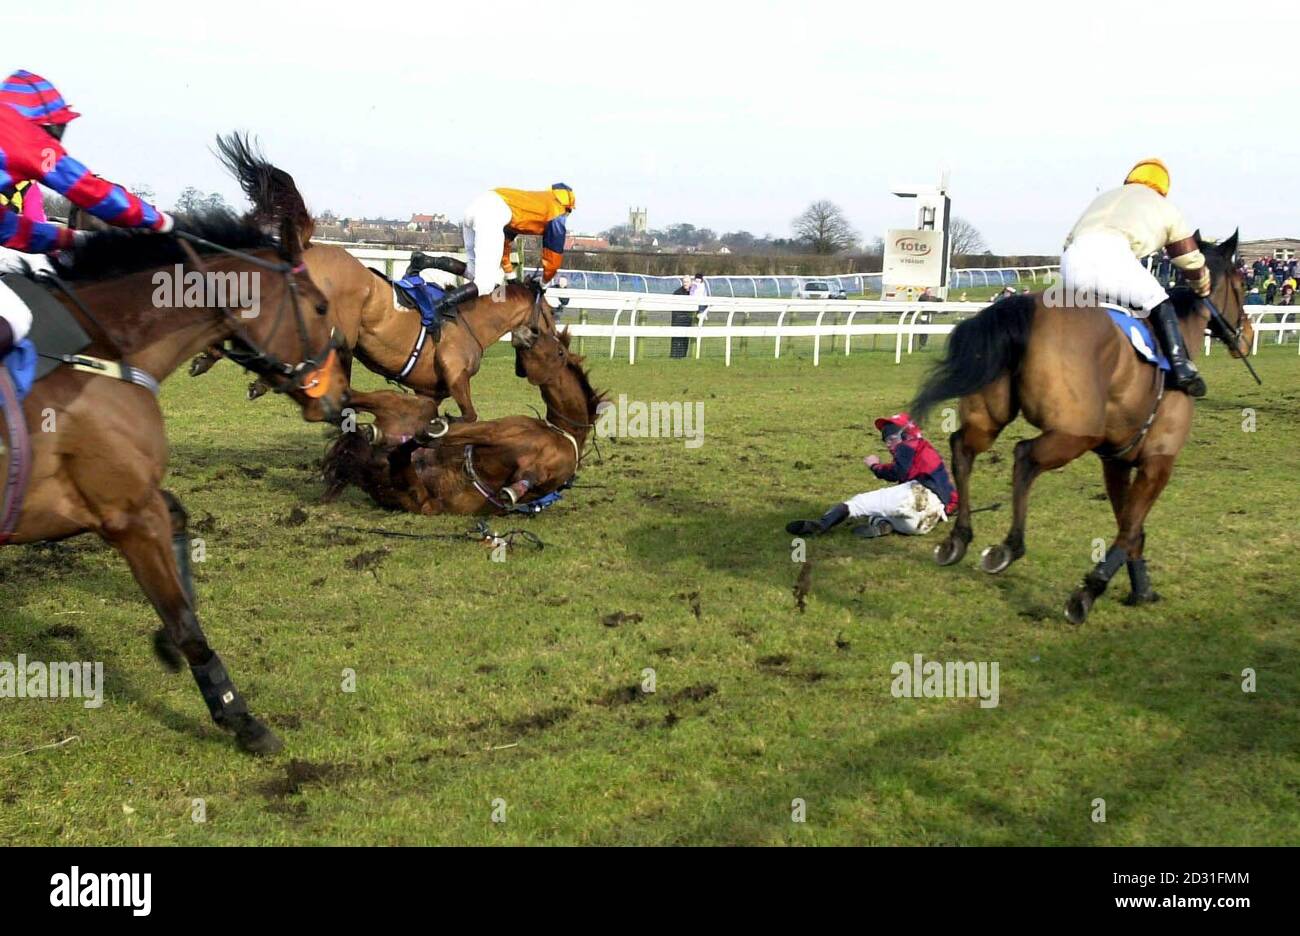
x: 470, y: 469
x: 101, y: 469
x: 1074, y: 376
x: 387, y: 338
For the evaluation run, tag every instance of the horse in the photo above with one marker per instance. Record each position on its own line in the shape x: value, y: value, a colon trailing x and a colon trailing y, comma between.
x: 471, y: 468
x: 101, y: 471
x: 1074, y: 376
x: 387, y: 338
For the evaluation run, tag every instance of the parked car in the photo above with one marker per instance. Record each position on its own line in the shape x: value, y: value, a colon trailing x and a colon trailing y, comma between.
x: 819, y: 289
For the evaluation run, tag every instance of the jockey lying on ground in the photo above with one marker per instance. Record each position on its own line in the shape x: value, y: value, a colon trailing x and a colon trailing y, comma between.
x: 492, y: 222
x: 33, y: 117
x: 922, y: 496
x: 1103, y: 255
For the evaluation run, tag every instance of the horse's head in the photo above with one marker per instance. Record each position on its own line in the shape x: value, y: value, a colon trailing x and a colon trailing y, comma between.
x: 1228, y: 293
x: 540, y: 356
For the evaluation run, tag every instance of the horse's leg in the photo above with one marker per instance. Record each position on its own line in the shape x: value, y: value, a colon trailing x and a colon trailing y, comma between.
x: 1050, y: 450
x: 1119, y: 478
x: 979, y: 429
x: 145, y: 539
x: 1152, y: 476
x: 460, y: 393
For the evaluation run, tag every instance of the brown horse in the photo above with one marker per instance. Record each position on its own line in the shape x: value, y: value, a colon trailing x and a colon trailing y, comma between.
x: 101, y: 468
x: 1074, y: 376
x: 386, y: 337
x: 476, y: 467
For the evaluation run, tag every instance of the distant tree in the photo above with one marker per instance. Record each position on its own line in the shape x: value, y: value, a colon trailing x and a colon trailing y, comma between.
x: 191, y: 200
x: 824, y: 228
x: 876, y: 247
x: 56, y: 206
x: 966, y: 238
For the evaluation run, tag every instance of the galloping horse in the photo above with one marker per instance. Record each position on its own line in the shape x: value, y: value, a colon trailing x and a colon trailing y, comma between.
x: 468, y: 470
x: 101, y: 470
x: 387, y: 338
x: 1073, y: 375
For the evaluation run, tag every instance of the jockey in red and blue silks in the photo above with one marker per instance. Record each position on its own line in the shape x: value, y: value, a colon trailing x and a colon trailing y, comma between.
x: 33, y: 116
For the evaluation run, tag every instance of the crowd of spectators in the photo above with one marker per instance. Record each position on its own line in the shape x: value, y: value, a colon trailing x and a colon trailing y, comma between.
x: 1269, y: 281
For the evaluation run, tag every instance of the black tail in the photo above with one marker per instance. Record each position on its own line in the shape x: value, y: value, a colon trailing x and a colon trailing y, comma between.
x: 979, y: 350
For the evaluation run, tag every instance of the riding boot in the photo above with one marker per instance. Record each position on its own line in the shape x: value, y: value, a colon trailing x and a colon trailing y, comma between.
x: 1183, y: 372
x: 836, y: 515
x: 447, y: 306
x: 6, y: 337
x: 875, y: 526
x: 422, y: 261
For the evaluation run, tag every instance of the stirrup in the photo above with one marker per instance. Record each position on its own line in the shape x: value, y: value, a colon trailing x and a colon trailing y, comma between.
x: 438, y: 427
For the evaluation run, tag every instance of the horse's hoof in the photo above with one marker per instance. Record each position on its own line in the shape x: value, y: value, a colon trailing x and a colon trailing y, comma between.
x: 1077, y: 608
x: 996, y: 558
x: 950, y: 551
x: 1134, y: 598
x: 371, y: 433
x: 256, y: 738
x: 169, y: 655
x: 257, y: 389
x: 201, y: 365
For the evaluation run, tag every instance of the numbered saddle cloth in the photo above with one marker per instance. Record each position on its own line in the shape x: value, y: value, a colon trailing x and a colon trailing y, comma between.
x: 1140, y: 337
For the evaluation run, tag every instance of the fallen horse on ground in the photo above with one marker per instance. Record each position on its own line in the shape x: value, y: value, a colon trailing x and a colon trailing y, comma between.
x: 494, y: 467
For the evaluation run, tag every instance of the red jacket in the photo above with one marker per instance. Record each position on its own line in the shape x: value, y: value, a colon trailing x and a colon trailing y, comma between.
x: 29, y: 153
x: 915, y: 459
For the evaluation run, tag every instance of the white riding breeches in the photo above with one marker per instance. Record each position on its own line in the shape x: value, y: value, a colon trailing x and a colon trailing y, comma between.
x: 910, y: 508
x: 1100, y: 266
x: 14, y: 311
x: 484, y: 229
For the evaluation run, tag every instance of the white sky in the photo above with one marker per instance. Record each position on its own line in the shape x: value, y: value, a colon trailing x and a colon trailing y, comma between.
x: 729, y: 116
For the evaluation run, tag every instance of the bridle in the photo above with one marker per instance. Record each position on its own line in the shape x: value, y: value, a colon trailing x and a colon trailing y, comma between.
x: 244, y: 349
x: 1230, y: 335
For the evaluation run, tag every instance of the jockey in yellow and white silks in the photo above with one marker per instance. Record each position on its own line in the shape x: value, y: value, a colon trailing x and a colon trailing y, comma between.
x: 1103, y: 256
x: 492, y: 221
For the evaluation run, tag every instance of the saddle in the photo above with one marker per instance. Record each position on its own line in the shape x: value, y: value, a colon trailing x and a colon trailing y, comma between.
x: 413, y: 292
x: 1139, y: 336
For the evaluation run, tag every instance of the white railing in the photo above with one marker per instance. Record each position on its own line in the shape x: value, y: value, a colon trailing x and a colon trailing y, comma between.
x: 728, y: 320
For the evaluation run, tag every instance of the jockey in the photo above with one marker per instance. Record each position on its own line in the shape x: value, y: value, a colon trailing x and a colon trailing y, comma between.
x: 1103, y: 253
x: 492, y: 221
x: 33, y: 117
x: 921, y: 496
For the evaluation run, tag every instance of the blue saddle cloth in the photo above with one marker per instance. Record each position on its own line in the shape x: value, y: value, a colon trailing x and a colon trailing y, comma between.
x: 20, y: 362
x: 424, y: 294
x: 1140, y: 337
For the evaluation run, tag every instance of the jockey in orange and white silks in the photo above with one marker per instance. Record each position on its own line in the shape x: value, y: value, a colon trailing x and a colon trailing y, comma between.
x: 492, y: 222
x: 1103, y: 257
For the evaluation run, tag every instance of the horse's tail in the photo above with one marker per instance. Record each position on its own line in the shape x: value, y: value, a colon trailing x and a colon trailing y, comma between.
x: 980, y: 349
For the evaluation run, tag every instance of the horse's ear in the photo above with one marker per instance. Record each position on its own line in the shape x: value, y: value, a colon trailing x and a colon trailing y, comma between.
x: 1228, y: 249
x: 1199, y: 243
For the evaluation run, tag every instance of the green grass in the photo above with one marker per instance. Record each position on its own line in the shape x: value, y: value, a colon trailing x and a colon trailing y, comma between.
x: 479, y: 680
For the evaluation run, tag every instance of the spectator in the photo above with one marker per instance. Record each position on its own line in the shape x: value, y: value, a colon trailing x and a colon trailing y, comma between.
x: 700, y: 290
x: 1253, y: 297
x: 927, y: 295
x: 680, y: 346
x: 1270, y: 289
x: 1288, y: 295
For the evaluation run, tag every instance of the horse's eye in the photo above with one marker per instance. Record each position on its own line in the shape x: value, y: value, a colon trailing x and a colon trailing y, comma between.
x: 322, y: 307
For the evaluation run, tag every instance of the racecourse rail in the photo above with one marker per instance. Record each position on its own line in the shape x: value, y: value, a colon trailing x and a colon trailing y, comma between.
x: 637, y: 316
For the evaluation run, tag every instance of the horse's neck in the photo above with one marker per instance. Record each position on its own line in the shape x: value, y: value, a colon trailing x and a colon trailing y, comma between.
x: 157, y: 340
x: 1193, y: 329
x: 567, y: 405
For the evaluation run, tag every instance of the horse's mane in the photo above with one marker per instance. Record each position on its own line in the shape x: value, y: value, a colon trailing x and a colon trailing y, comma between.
x: 594, y: 397
x: 120, y: 252
x: 272, y: 191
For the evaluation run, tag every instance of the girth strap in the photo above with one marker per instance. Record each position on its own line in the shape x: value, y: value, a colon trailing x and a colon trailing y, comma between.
x: 118, y: 370
x: 415, y: 354
x: 20, y: 458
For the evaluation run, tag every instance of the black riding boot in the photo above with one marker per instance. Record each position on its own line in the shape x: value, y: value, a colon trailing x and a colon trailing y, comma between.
x: 1164, y: 322
x: 447, y: 307
x: 422, y: 261
x: 875, y: 526
x: 837, y: 514
x: 6, y: 337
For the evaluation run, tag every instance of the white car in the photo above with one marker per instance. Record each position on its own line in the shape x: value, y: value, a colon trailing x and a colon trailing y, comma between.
x: 818, y: 289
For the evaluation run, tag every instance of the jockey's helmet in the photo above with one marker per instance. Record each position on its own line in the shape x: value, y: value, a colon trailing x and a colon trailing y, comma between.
x: 1152, y: 173
x: 36, y: 99
x: 564, y: 195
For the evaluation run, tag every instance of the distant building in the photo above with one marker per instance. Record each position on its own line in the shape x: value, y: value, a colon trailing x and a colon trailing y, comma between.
x: 585, y: 242
x: 637, y: 220
x: 426, y: 222
x: 1278, y: 248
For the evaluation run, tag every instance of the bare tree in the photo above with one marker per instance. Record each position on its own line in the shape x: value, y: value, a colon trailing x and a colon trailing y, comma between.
x: 966, y: 238
x: 824, y: 227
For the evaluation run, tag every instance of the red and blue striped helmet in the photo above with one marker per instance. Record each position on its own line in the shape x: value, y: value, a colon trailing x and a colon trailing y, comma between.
x: 36, y: 99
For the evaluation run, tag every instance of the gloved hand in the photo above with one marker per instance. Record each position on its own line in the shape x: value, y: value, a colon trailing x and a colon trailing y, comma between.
x: 165, y: 223
x: 1199, y: 280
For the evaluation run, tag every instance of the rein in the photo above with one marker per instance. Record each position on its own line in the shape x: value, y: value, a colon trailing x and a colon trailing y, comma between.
x: 1230, y: 336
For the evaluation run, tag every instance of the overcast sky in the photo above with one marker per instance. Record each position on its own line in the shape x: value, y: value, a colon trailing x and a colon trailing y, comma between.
x: 728, y: 116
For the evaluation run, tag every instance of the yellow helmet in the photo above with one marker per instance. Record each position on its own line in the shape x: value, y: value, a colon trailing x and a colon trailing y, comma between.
x: 564, y: 195
x: 1152, y: 173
